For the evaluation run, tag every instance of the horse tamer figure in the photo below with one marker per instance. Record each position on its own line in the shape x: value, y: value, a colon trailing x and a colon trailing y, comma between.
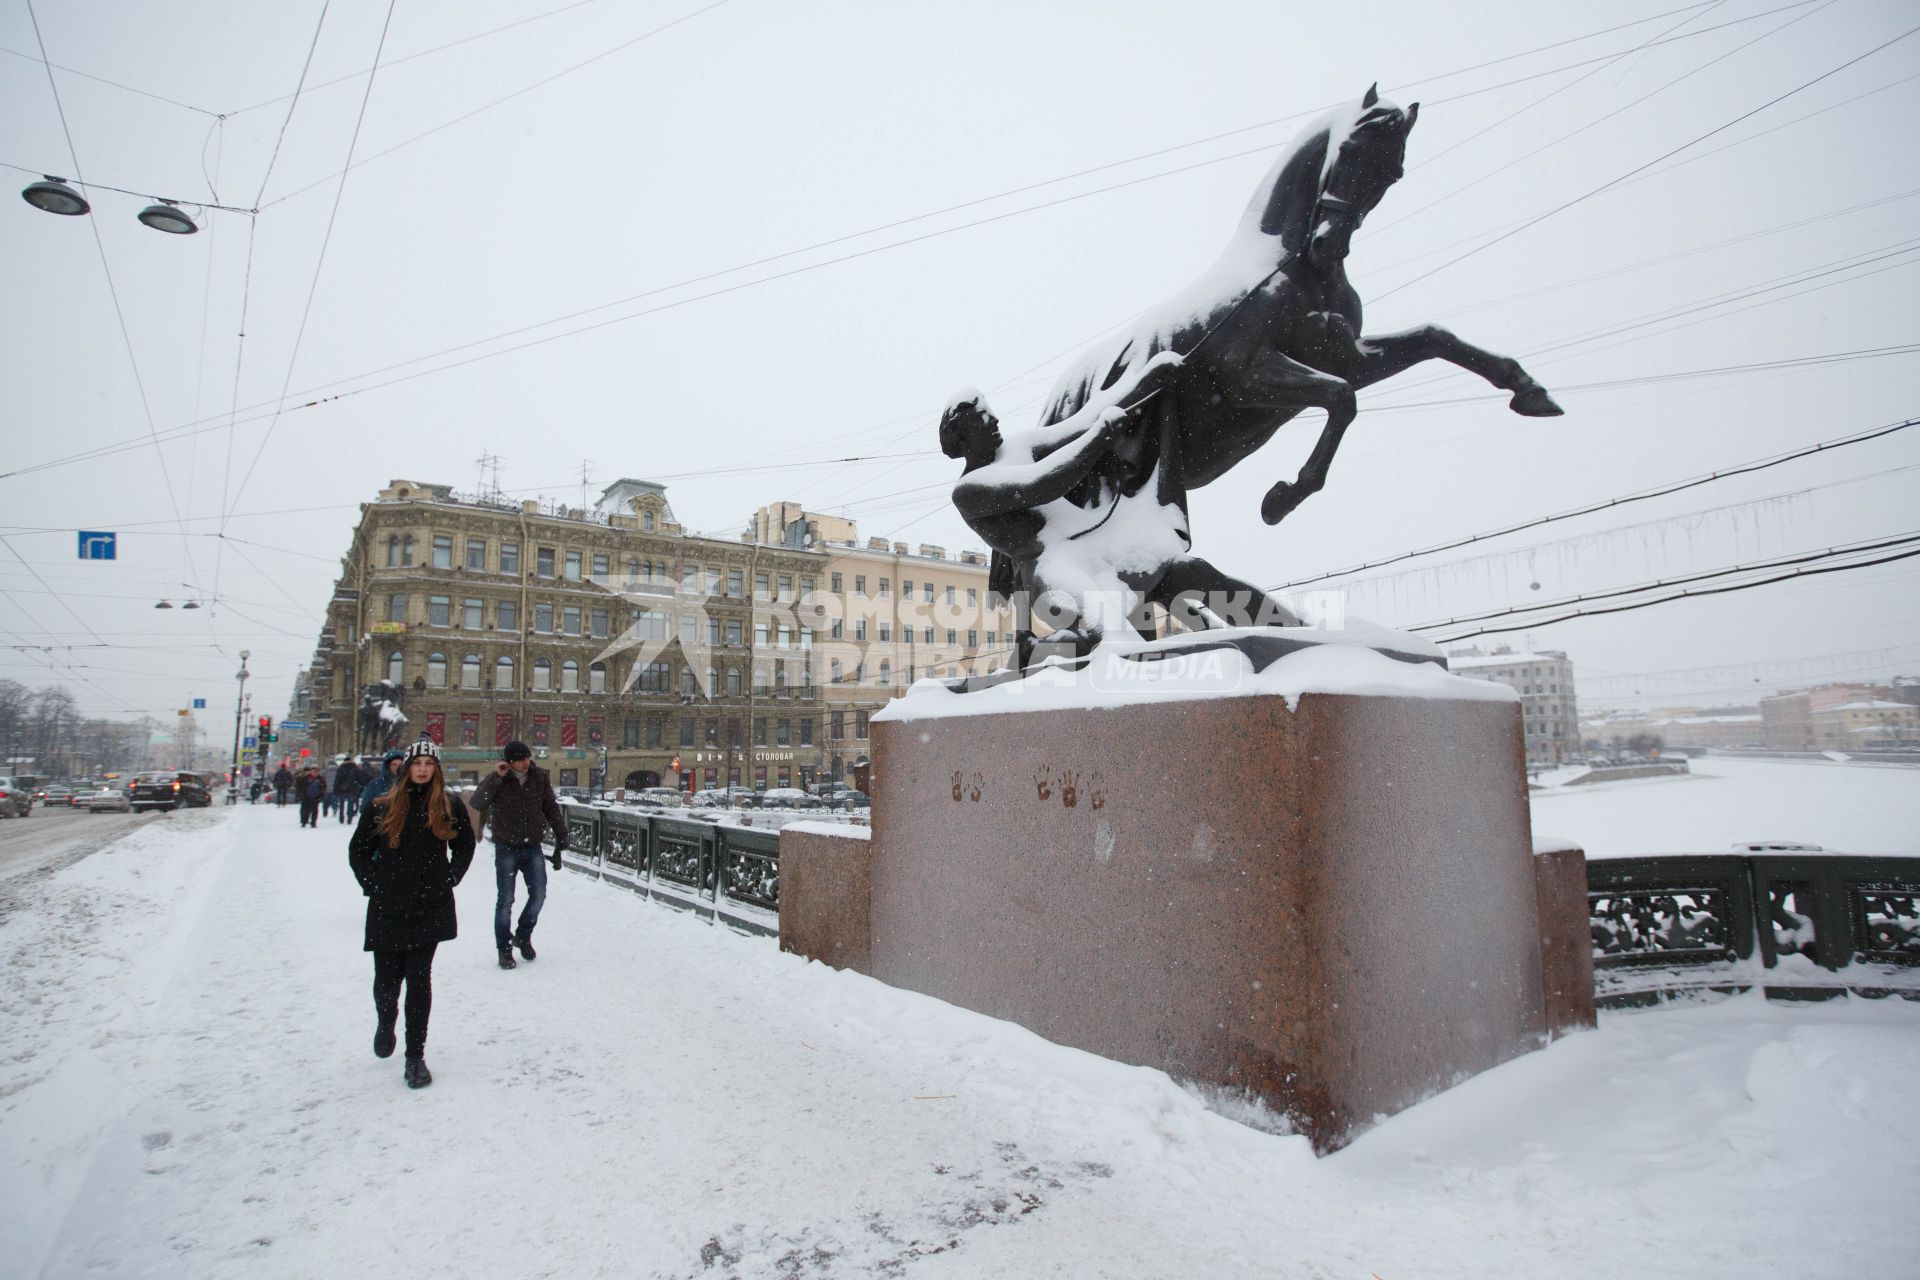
x: 1199, y: 383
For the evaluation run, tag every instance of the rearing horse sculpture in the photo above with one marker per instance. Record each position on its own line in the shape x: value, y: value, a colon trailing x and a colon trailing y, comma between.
x: 1092, y: 503
x: 1274, y: 326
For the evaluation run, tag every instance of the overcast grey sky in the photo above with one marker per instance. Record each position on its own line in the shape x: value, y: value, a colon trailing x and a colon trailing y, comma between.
x: 569, y: 275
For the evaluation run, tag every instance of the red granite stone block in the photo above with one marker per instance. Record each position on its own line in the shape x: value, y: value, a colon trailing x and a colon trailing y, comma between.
x: 1566, y: 939
x: 824, y: 891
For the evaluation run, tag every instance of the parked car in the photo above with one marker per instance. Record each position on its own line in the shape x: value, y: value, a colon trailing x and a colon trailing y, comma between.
x: 663, y: 795
x: 106, y: 800
x: 15, y: 801
x: 788, y: 798
x: 169, y: 790
x: 848, y: 799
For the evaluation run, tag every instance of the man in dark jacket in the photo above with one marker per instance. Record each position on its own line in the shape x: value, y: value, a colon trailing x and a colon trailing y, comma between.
x: 347, y: 785
x: 313, y: 789
x: 390, y: 765
x: 282, y: 783
x: 519, y: 797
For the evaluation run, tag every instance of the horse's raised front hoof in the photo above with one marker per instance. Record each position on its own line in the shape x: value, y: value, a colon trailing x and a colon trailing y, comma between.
x: 1534, y: 402
x: 1280, y: 502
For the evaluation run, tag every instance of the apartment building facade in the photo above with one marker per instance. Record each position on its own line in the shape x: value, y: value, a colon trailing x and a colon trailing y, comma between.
x: 1544, y: 681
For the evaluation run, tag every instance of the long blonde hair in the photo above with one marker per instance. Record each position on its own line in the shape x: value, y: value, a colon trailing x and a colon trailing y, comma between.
x: 394, y: 820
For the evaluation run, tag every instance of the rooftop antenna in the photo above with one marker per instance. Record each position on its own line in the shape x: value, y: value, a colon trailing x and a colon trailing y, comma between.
x: 488, y: 484
x: 586, y: 479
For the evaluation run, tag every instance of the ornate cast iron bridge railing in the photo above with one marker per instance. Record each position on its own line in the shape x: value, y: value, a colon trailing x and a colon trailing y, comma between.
x: 1800, y: 926
x: 730, y: 875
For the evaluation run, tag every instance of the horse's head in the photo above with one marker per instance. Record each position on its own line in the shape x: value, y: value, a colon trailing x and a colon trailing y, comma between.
x: 1357, y: 171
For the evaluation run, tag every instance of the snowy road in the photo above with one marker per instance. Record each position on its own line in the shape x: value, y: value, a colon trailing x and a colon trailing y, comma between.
x: 187, y: 1090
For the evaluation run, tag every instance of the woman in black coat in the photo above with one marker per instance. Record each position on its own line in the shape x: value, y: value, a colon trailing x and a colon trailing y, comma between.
x: 411, y: 847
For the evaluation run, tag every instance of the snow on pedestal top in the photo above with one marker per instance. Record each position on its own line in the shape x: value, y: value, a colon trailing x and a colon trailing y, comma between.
x: 1338, y: 661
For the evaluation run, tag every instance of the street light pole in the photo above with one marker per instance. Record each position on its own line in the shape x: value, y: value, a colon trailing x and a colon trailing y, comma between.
x: 239, y: 711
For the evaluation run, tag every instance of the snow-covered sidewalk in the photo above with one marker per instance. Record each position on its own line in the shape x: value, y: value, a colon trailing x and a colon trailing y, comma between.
x: 187, y: 1089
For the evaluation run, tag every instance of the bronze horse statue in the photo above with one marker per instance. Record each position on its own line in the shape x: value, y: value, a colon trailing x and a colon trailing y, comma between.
x: 1196, y: 385
x: 1274, y: 327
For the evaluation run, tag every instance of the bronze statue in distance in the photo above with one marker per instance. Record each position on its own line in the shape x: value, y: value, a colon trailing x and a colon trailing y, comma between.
x: 1091, y: 505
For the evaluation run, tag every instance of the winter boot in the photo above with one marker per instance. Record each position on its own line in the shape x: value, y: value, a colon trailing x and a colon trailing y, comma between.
x: 416, y: 1074
x: 506, y: 958
x: 383, y: 1040
x: 526, y: 947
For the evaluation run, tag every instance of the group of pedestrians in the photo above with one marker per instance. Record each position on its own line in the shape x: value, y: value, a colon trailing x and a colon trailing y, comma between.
x: 413, y: 844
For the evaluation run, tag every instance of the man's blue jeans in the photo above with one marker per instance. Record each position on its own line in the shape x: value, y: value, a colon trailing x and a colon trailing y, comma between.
x: 510, y: 860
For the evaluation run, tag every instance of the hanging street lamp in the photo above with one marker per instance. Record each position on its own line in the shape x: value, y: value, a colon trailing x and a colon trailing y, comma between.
x: 54, y: 196
x: 168, y: 217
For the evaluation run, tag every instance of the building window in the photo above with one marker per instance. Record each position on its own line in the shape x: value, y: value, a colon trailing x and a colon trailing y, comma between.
x: 602, y: 566
x: 859, y: 724
x: 806, y: 586
x: 570, y: 620
x: 833, y: 671
x: 886, y: 672
x: 736, y: 583
x: 806, y: 732
x: 689, y: 629
x: 780, y: 678
x: 470, y: 671
x: 784, y: 637
x: 973, y: 638
x: 886, y: 632
x: 648, y: 625
x: 543, y: 619
x: 476, y: 553
x: 759, y: 731
x: 759, y: 586
x: 836, y: 629
x: 928, y: 587
x: 713, y: 631
x: 572, y: 566
x: 886, y: 587
x: 473, y: 615
x: 396, y: 668
x: 860, y: 629
x: 656, y: 732
x: 786, y: 586
x: 733, y: 631
x: 599, y: 617
x: 510, y: 557
x: 443, y: 551
x: 393, y: 551
x: 543, y: 562
x: 906, y: 588
x: 926, y: 636
x: 597, y: 678
x: 949, y: 595
x: 713, y: 733
x: 396, y: 608
x: 439, y: 611
x: 542, y: 675
x: 781, y: 732
x: 835, y: 583
x: 503, y: 674
x: 973, y: 598
x: 686, y: 731
x: 406, y: 550
x: 687, y: 683
x: 630, y: 734
x: 733, y: 682
x: 436, y: 671
x: 836, y: 724
x: 859, y: 584
x: 506, y: 615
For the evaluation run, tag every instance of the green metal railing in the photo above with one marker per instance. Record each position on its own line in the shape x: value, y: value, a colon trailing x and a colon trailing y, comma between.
x: 730, y: 875
x: 1728, y: 922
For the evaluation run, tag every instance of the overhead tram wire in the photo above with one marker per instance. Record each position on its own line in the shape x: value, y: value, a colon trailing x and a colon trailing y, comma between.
x: 320, y: 260
x: 84, y: 75
x: 1614, y: 504
x: 465, y: 116
x: 1690, y: 594
x: 1614, y: 182
x: 182, y: 428
x: 113, y: 292
x: 1602, y: 119
x: 246, y: 283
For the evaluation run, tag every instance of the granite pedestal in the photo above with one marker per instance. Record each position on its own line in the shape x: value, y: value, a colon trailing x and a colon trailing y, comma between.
x: 1328, y: 904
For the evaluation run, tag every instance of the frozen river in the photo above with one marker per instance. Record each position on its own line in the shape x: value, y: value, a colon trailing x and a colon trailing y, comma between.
x: 1847, y: 808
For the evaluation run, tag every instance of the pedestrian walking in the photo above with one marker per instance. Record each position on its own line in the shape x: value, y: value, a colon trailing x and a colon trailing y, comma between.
x: 282, y: 783
x: 519, y: 797
x: 409, y: 849
x: 345, y: 792
x: 390, y: 766
x: 313, y: 790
